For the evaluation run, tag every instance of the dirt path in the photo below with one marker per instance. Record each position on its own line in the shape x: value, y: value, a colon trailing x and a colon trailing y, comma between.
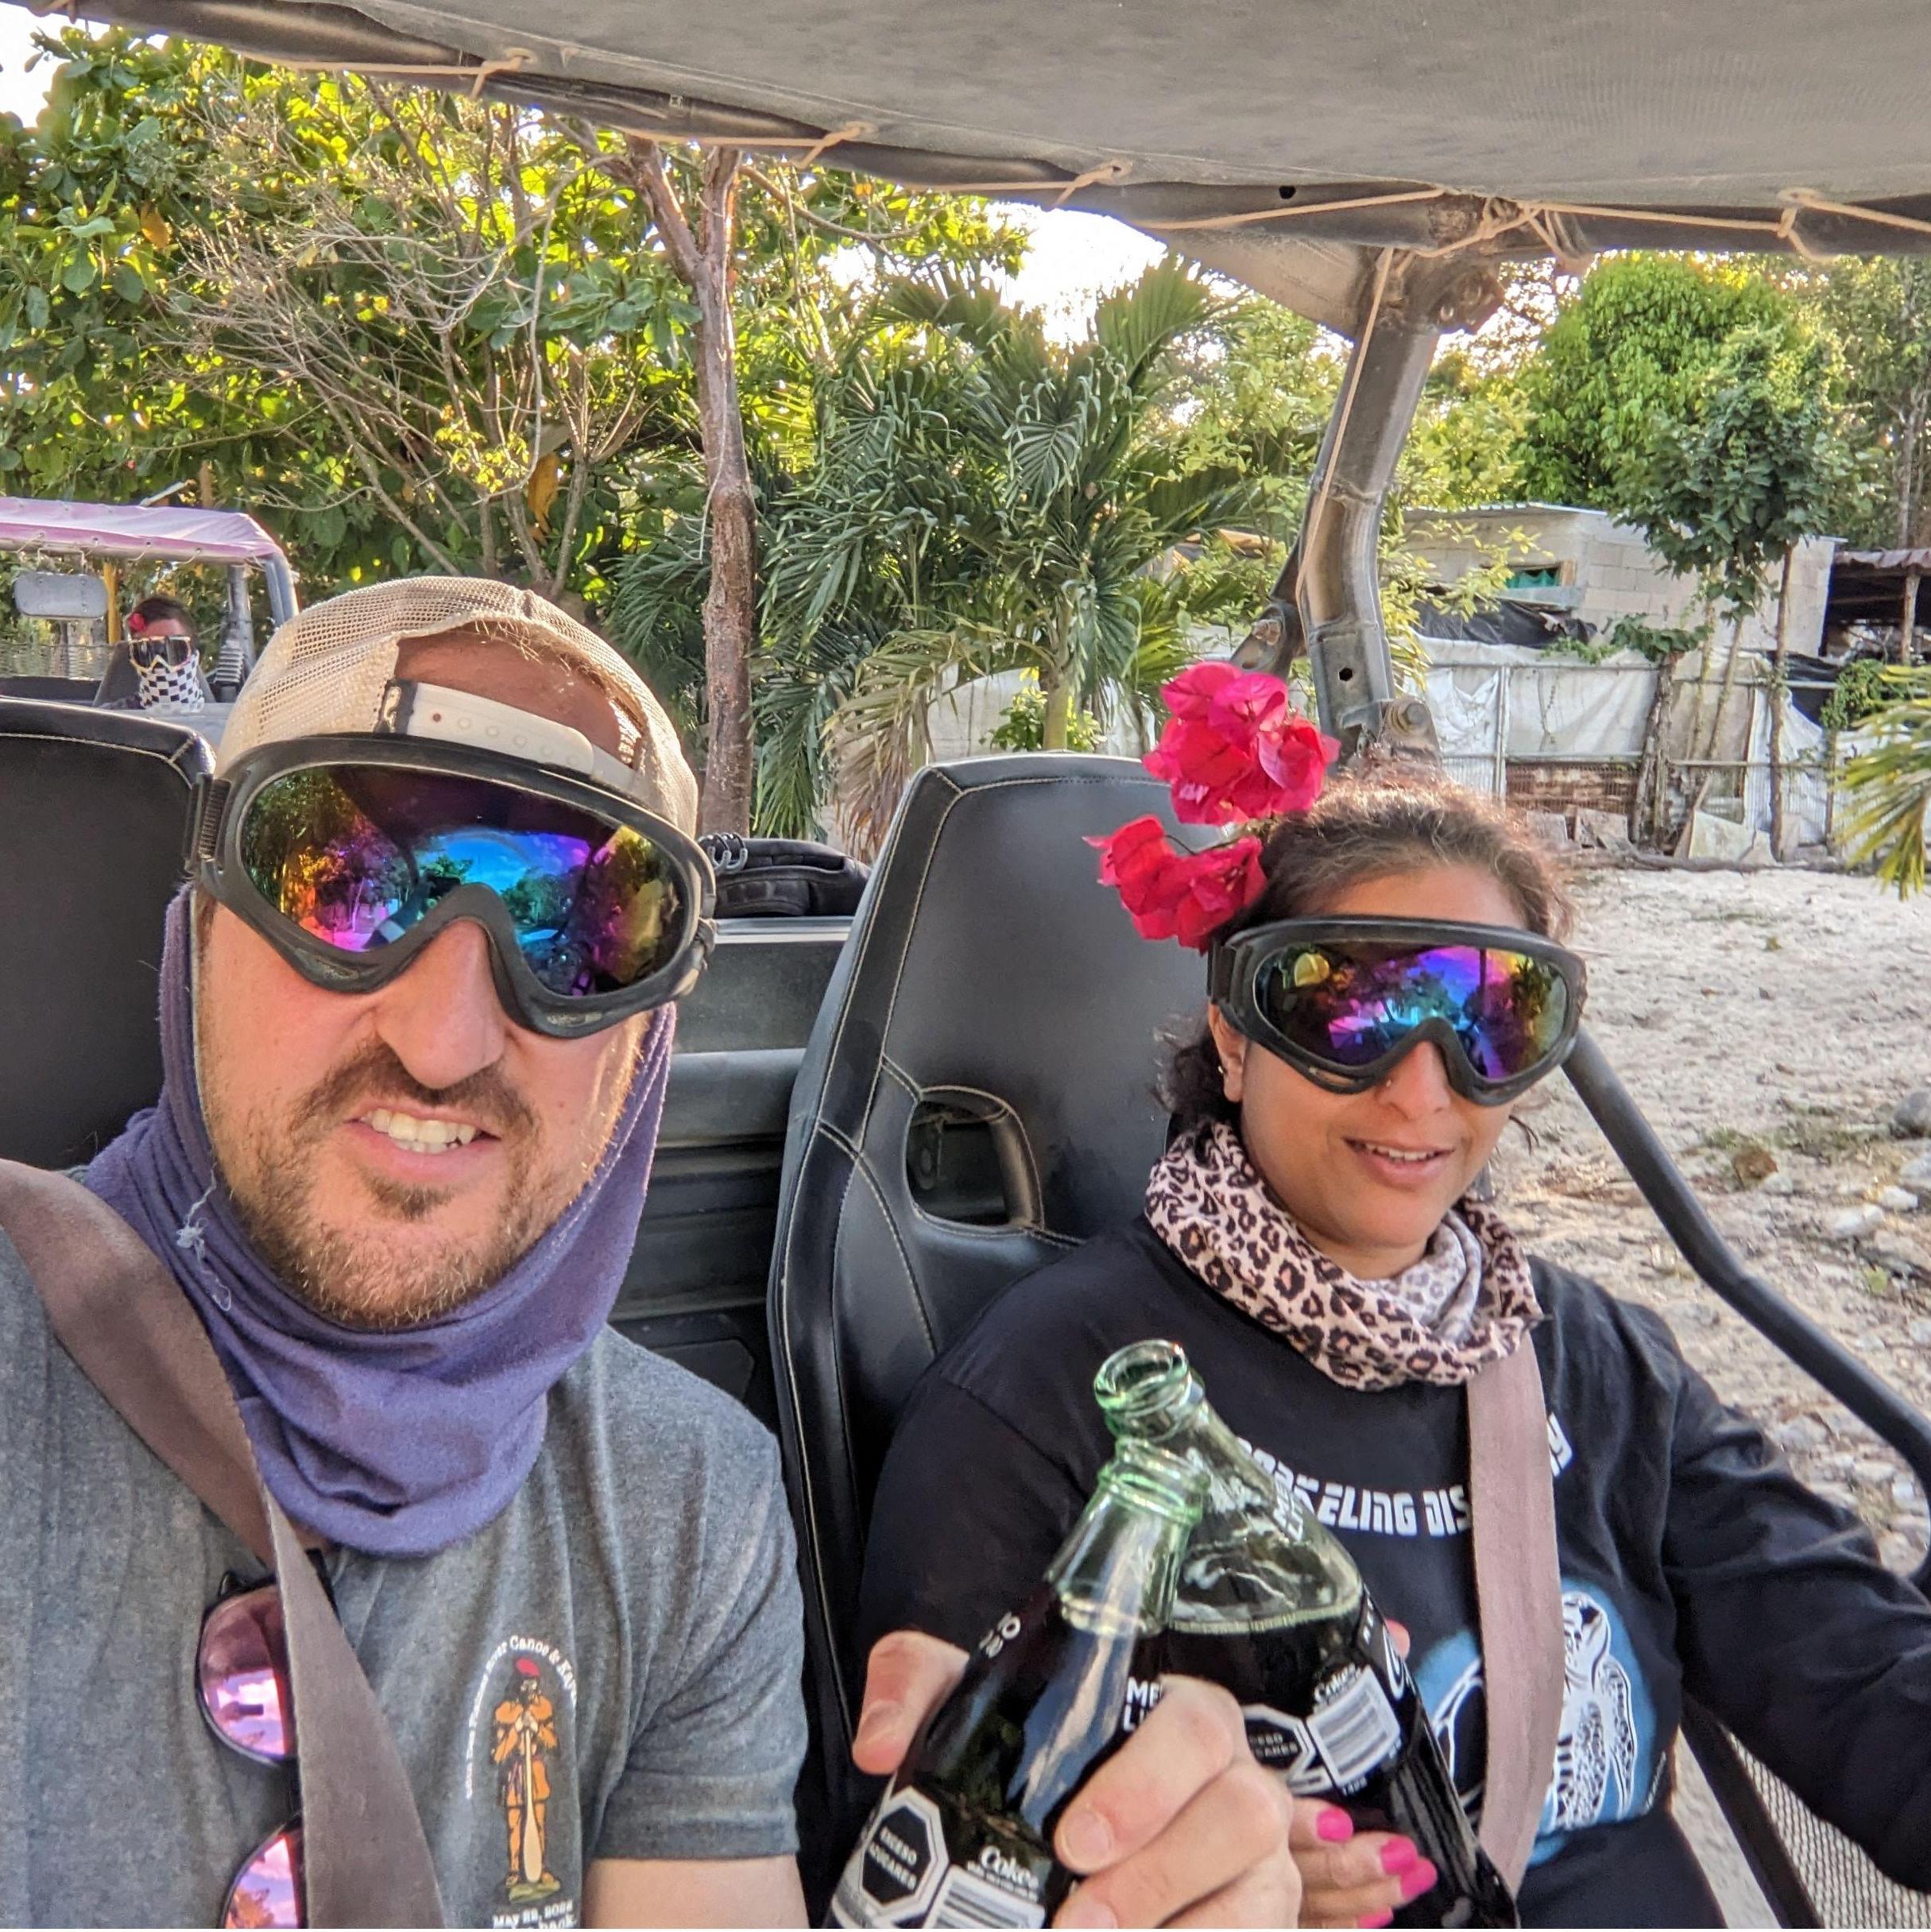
x: 1758, y: 1018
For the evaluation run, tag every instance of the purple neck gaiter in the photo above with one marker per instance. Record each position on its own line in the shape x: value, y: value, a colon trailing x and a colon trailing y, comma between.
x: 398, y: 1444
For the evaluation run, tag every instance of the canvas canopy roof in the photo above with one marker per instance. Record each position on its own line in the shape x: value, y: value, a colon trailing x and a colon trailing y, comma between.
x: 129, y: 531
x: 1276, y: 140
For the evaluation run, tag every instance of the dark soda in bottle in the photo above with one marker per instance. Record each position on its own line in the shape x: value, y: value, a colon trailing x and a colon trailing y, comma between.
x: 963, y: 1836
x: 1272, y: 1606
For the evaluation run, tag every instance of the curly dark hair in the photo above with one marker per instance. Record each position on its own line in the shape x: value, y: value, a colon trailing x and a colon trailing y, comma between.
x: 1369, y: 823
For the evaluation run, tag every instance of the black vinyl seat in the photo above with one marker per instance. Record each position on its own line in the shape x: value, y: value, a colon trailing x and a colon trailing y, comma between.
x: 976, y: 1097
x: 93, y: 814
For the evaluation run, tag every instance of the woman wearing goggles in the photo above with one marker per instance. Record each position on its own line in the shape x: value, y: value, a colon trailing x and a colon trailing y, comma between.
x: 1390, y: 986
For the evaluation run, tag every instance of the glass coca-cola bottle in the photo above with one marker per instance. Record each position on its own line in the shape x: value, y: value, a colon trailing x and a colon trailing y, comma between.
x: 964, y: 1833
x: 1272, y: 1606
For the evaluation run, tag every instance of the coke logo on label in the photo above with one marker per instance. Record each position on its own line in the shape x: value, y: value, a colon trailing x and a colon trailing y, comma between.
x: 995, y: 1864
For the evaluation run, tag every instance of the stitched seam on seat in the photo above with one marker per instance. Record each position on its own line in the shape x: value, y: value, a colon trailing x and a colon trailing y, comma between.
x: 859, y: 963
x: 820, y: 1567
x: 863, y: 1168
x: 55, y: 737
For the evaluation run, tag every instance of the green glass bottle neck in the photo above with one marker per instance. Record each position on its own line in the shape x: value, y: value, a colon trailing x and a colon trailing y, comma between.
x: 1257, y: 1559
x: 1117, y: 1572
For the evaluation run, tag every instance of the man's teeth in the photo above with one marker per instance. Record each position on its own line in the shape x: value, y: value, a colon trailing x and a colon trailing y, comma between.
x: 1400, y: 1153
x: 420, y: 1136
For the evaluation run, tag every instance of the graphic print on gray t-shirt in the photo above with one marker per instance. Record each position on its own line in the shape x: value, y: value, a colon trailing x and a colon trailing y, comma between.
x: 609, y: 1669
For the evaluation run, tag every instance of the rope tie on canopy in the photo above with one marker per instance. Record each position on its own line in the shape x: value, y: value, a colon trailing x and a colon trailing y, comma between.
x: 1106, y: 172
x: 851, y: 130
x: 511, y: 60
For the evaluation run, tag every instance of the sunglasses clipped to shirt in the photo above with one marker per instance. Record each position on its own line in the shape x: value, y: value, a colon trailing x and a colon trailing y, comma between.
x: 1343, y: 1000
x: 349, y: 853
x: 242, y: 1684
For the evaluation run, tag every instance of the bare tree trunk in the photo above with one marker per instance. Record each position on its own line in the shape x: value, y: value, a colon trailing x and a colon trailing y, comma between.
x: 1055, y: 727
x: 1907, y: 618
x: 1779, y: 686
x: 703, y: 260
x: 1649, y: 818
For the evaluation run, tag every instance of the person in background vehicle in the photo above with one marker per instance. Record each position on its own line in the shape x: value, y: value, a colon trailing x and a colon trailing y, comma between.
x: 1311, y: 1239
x: 417, y: 1010
x: 156, y: 663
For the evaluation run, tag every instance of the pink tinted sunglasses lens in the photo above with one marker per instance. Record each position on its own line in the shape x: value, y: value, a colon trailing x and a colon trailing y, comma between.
x: 244, y: 1676
x: 267, y: 1889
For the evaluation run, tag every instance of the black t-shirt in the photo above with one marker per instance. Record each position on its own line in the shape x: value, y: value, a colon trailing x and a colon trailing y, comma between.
x: 1693, y: 1563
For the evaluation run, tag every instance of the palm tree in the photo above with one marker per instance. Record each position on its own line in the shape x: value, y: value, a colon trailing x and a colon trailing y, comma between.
x: 1889, y: 785
x: 967, y: 498
x: 1015, y: 494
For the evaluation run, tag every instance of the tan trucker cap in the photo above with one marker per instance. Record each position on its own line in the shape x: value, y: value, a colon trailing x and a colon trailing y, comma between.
x: 328, y: 669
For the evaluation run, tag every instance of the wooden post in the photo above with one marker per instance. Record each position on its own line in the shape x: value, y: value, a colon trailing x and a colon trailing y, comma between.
x: 1779, y: 697
x: 1907, y: 618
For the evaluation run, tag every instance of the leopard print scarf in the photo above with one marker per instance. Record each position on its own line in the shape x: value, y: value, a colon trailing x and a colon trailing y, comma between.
x: 1210, y: 1206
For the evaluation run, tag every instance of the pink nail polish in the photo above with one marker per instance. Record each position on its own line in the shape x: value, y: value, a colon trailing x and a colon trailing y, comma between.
x: 1377, y: 1918
x: 1334, y: 1826
x: 1397, y: 1855
x: 1417, y: 1881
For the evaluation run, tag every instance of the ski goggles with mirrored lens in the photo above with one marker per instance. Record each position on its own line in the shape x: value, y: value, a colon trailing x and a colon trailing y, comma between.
x: 349, y: 854
x: 1342, y: 1000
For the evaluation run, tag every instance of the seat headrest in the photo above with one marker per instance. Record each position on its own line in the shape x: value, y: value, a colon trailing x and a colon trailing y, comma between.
x: 93, y: 814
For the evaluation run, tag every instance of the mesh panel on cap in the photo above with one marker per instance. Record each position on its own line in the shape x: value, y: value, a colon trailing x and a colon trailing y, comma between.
x: 326, y: 670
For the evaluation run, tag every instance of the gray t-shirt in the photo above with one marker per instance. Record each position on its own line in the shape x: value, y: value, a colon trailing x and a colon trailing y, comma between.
x: 623, y: 1642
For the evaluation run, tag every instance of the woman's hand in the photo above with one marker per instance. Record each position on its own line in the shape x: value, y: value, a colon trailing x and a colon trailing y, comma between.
x: 1350, y: 1877
x: 1179, y: 1827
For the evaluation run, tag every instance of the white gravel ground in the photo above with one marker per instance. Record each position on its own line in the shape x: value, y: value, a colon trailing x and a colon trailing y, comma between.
x: 1768, y: 1023
x: 1758, y: 1018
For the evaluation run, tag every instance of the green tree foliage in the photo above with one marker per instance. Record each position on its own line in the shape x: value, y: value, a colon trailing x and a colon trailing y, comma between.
x: 410, y: 331
x: 973, y: 498
x: 1072, y: 489
x: 1628, y: 356
x: 1878, y: 310
x: 1747, y: 467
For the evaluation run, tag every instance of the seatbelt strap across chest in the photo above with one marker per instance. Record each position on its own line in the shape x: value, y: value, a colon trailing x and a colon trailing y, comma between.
x: 118, y: 1312
x: 1518, y: 1600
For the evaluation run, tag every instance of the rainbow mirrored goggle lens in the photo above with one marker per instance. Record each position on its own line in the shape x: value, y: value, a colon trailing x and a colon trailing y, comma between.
x: 357, y: 856
x: 1344, y: 1000
x: 350, y: 866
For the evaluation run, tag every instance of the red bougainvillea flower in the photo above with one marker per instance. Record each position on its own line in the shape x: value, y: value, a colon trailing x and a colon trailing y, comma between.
x: 1235, y: 749
x: 1173, y: 895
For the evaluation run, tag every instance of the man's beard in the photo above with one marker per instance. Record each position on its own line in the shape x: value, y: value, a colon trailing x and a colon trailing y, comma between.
x: 351, y: 1274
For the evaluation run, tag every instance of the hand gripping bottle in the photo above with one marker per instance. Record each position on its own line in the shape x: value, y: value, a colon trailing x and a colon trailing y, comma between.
x: 1272, y: 1606
x: 964, y: 1834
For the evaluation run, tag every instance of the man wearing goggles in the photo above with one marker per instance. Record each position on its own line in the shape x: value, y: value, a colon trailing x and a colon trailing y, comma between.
x: 417, y: 1009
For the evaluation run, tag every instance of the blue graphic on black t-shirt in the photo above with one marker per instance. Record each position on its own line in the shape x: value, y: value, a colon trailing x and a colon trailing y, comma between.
x: 1607, y: 1768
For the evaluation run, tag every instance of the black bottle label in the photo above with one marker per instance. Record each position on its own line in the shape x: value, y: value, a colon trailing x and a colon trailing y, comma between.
x: 922, y: 1862
x: 965, y: 1838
